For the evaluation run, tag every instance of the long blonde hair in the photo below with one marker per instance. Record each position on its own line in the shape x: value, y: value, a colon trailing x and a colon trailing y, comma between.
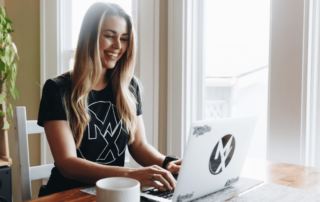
x: 87, y: 69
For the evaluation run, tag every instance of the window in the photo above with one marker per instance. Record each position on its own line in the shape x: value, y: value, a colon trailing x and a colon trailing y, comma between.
x: 235, y: 57
x: 223, y: 64
x: 292, y: 68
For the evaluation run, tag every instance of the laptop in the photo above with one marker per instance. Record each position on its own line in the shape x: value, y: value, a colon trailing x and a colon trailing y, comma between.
x: 213, y: 159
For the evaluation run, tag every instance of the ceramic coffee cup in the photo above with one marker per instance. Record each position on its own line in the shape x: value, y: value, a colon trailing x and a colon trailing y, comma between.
x: 118, y: 189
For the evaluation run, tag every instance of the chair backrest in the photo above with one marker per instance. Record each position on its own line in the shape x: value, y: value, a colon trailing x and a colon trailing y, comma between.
x: 28, y: 173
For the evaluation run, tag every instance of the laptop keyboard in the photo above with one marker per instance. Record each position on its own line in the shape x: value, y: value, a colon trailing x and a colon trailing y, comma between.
x: 162, y: 194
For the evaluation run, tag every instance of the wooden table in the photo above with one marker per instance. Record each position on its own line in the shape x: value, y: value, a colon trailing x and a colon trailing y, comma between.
x: 301, y: 177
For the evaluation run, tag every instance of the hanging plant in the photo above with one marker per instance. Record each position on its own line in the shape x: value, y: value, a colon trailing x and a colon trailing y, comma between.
x: 8, y: 68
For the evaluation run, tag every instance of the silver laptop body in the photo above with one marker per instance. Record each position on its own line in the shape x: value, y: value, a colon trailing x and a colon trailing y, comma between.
x: 213, y: 158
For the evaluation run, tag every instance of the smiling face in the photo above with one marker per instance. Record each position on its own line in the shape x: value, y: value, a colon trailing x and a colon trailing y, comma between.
x: 113, y: 40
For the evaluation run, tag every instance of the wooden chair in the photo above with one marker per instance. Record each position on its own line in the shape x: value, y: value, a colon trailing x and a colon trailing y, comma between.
x: 28, y: 173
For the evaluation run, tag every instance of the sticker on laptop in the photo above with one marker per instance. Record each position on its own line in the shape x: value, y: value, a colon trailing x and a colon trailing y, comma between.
x: 222, y: 154
x: 185, y: 197
x: 201, y: 130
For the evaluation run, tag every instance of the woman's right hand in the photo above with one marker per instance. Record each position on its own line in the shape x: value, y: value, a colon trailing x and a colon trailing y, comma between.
x: 154, y: 176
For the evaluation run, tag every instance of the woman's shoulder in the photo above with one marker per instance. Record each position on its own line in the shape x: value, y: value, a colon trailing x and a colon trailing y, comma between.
x: 61, y: 82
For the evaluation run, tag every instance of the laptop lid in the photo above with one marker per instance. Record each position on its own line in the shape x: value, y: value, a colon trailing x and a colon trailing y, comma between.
x: 214, y: 156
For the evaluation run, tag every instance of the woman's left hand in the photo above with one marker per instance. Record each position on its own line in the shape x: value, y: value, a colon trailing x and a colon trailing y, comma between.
x: 174, y: 166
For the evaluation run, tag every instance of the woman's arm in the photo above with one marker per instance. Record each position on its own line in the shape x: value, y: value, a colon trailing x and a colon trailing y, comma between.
x: 147, y: 155
x: 63, y: 149
x: 141, y: 150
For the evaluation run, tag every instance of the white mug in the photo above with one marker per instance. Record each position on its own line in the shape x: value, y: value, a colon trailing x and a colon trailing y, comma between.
x: 118, y: 189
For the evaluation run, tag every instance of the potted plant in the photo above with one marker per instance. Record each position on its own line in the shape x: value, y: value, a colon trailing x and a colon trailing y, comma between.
x: 8, y: 74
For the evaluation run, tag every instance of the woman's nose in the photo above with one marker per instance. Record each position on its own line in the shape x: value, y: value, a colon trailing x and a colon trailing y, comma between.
x: 117, y: 43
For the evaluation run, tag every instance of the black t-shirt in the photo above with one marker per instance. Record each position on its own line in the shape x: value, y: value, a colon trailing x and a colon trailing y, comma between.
x: 105, y: 138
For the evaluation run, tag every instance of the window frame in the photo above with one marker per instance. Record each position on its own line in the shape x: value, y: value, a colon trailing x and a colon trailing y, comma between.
x: 311, y: 75
x: 287, y: 140
x: 183, y: 80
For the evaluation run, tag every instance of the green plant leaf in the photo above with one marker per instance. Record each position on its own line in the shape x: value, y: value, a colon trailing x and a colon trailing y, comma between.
x: 2, y: 11
x: 8, y: 67
x: 2, y: 66
x: 2, y: 98
x: 6, y: 125
x: 10, y: 111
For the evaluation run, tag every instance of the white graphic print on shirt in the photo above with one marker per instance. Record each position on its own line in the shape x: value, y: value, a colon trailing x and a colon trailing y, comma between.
x: 105, y: 125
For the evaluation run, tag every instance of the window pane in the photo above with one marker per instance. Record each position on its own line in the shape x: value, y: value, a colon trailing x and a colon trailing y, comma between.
x: 237, y: 34
x: 236, y: 47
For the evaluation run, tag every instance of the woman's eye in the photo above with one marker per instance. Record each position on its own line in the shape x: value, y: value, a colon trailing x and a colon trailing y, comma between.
x: 124, y: 39
x: 108, y: 36
x: 114, y: 37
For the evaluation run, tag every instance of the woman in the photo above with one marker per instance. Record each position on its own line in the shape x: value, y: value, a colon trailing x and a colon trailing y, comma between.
x: 93, y: 112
